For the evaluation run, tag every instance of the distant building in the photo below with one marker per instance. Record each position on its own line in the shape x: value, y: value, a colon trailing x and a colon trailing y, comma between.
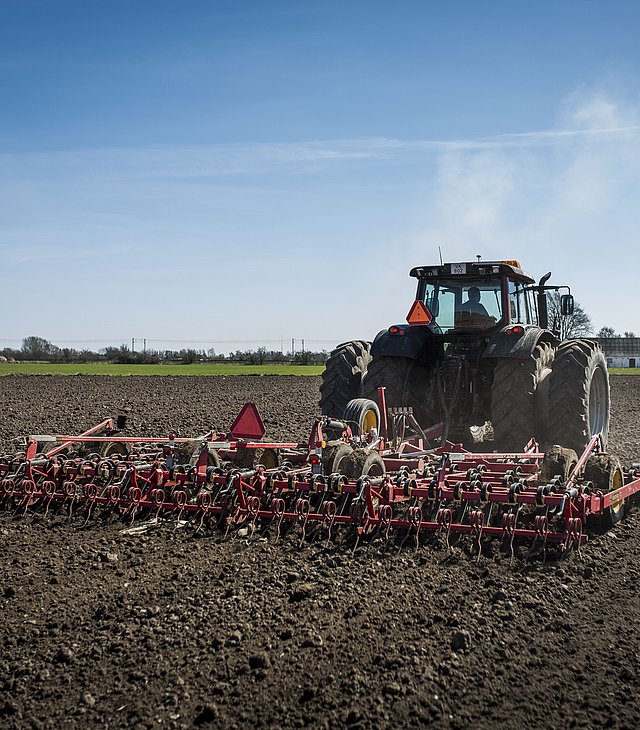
x: 621, y: 352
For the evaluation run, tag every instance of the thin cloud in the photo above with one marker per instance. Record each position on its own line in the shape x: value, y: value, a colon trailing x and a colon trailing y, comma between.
x: 194, y: 161
x: 53, y: 253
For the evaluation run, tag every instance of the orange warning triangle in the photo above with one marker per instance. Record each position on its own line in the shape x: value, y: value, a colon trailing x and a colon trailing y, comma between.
x: 419, y: 314
x: 248, y: 424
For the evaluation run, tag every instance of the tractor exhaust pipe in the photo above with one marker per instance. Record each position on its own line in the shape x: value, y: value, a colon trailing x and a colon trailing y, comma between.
x: 543, y: 311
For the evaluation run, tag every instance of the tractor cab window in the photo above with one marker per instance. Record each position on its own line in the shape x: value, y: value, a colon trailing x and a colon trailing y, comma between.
x: 463, y: 304
x: 520, y: 309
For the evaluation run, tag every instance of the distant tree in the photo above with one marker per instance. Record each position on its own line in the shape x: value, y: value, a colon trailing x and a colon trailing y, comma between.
x: 121, y: 355
x: 577, y: 324
x: 10, y: 354
x: 87, y: 356
x: 606, y: 332
x: 37, y: 348
x: 67, y: 354
x: 261, y: 355
x: 189, y: 356
x: 630, y: 335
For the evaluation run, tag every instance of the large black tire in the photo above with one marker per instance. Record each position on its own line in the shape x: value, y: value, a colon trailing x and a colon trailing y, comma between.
x: 578, y: 395
x: 519, y: 396
x: 407, y: 383
x: 342, y: 377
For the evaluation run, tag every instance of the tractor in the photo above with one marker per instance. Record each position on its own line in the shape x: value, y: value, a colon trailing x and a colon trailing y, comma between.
x: 479, y: 355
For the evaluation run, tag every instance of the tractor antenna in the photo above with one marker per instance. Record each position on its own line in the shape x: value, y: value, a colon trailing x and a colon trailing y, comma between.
x: 440, y: 252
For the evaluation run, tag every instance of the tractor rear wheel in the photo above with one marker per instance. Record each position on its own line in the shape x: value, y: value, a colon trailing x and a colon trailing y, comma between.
x: 342, y: 377
x: 578, y: 395
x: 519, y: 397
x: 407, y: 383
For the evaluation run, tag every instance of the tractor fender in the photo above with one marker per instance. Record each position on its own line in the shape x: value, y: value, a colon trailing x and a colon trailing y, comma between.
x: 411, y: 342
x: 505, y: 344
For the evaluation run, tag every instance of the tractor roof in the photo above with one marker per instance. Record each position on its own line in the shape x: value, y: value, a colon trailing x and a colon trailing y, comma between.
x: 473, y: 269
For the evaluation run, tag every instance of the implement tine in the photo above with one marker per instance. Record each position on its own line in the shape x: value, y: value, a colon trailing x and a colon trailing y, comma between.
x: 302, y: 511
x: 508, y: 530
x: 477, y: 524
x: 278, y: 507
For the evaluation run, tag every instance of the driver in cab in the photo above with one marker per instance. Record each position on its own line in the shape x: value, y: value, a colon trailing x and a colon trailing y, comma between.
x: 472, y: 313
x: 473, y: 304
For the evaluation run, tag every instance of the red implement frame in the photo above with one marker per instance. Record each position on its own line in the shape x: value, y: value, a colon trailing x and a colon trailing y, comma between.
x: 445, y: 490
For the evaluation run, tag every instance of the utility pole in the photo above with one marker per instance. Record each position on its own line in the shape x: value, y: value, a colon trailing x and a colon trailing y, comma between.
x: 133, y: 344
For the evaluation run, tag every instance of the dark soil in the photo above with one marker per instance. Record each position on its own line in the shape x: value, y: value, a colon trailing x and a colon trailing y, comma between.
x: 103, y: 628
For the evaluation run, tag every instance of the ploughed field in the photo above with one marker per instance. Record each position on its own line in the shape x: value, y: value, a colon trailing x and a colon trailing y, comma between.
x: 164, y: 629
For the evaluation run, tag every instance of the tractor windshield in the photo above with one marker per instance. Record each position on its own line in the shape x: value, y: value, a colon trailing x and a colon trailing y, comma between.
x: 463, y: 304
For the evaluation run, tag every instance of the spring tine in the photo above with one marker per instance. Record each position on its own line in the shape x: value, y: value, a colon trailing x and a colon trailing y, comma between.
x: 278, y: 506
x: 302, y: 511
x: 386, y: 514
x: 415, y: 516
x: 253, y: 505
x: 508, y: 530
x: 477, y: 523
x: 204, y: 501
x: 329, y: 510
x: 444, y: 518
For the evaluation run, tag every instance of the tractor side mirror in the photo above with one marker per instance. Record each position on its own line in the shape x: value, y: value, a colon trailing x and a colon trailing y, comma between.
x: 566, y: 304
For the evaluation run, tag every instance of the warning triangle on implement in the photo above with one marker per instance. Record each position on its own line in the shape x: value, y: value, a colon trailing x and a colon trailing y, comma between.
x: 419, y: 314
x: 248, y: 424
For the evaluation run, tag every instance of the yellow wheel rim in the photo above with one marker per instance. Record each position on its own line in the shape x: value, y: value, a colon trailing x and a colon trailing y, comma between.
x: 369, y: 421
x: 617, y: 481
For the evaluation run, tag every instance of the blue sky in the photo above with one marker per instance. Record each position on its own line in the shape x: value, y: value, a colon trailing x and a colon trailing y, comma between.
x: 231, y: 174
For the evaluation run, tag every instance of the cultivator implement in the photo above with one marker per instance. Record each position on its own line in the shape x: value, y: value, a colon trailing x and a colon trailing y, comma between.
x: 344, y: 483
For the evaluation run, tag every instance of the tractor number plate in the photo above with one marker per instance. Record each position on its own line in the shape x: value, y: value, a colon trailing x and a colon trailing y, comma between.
x: 458, y: 268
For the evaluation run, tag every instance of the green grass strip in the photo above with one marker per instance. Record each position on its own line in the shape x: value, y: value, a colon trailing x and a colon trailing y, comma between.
x: 103, y: 368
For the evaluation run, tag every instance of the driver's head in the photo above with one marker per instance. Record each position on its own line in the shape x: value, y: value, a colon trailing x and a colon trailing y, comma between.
x: 474, y: 294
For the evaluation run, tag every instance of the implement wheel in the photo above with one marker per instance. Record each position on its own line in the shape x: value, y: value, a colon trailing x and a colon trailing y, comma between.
x: 342, y: 376
x: 557, y: 461
x: 363, y: 462
x: 578, y: 395
x: 334, y: 457
x: 362, y: 415
x: 407, y: 383
x: 605, y: 472
x: 519, y: 397
x: 213, y: 458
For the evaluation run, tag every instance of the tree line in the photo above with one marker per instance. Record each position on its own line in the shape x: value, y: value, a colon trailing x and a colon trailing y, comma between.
x: 36, y: 349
